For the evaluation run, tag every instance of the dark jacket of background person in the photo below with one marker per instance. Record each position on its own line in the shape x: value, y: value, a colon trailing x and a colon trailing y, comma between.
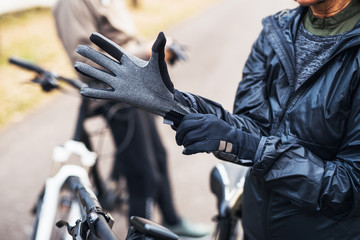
x: 305, y: 179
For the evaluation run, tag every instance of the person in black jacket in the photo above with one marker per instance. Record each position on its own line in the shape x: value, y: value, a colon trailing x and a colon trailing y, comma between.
x: 297, y: 119
x: 295, y: 122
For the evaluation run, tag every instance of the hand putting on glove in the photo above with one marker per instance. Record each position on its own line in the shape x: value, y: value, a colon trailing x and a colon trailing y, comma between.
x: 143, y: 84
x: 206, y: 133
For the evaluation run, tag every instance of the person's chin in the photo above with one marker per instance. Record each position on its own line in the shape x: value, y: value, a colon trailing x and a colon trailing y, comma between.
x: 309, y: 2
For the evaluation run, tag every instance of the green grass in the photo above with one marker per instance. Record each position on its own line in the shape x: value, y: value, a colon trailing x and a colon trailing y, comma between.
x: 31, y: 35
x: 19, y: 34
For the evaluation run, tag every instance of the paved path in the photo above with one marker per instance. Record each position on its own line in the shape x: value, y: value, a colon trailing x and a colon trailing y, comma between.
x: 219, y: 40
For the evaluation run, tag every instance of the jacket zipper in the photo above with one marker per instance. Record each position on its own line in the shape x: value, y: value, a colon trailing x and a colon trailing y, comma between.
x: 288, y: 70
x: 301, y: 90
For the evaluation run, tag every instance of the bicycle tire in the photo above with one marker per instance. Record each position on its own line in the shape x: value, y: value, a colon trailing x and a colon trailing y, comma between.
x: 66, y: 203
x: 226, y: 229
x: 37, y: 211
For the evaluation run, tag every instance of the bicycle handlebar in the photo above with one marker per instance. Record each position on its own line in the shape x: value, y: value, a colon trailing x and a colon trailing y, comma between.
x: 26, y: 65
x: 98, y: 222
x: 46, y: 76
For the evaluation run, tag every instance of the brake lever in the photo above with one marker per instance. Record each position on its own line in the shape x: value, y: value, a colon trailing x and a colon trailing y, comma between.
x: 178, y: 51
x: 47, y: 81
x: 73, y: 231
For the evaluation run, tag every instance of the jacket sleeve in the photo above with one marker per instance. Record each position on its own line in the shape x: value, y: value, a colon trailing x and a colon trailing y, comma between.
x: 246, y: 122
x: 252, y: 115
x: 206, y: 106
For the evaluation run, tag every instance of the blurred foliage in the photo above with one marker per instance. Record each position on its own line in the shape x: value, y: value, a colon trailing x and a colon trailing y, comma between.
x: 31, y: 34
x: 19, y: 34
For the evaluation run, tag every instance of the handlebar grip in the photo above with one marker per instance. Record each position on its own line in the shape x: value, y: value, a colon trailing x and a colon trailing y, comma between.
x: 89, y: 202
x: 103, y: 229
x: 27, y: 65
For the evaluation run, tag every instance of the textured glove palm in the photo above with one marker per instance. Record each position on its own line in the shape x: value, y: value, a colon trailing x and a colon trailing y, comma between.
x: 144, y: 84
x: 207, y: 133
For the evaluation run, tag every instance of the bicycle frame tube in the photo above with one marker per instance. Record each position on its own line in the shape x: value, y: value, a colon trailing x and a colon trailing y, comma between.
x: 227, y: 229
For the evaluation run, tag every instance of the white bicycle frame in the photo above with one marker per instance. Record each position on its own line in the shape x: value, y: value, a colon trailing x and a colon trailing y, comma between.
x: 61, y: 155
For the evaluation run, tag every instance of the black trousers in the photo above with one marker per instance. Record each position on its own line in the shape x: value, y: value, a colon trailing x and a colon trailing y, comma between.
x: 140, y: 157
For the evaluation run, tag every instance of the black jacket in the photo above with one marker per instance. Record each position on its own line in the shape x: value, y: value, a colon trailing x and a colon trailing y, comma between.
x: 305, y: 179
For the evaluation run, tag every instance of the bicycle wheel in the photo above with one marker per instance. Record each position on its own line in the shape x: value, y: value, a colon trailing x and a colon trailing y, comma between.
x: 68, y: 209
x: 66, y: 200
x: 36, y: 212
x: 226, y: 229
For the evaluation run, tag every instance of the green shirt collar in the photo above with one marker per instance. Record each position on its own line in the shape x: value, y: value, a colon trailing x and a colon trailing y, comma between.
x: 341, y: 22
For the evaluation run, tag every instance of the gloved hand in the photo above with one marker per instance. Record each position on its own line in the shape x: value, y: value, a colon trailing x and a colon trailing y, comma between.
x: 144, y: 84
x: 207, y: 133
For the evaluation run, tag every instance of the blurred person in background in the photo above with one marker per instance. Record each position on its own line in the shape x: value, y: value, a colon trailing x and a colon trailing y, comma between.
x: 140, y: 154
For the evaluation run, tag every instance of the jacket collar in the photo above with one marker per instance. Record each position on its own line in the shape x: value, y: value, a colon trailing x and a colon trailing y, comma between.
x: 280, y: 30
x: 287, y: 21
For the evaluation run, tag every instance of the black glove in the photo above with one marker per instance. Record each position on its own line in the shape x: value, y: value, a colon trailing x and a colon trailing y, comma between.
x: 207, y: 133
x: 144, y: 84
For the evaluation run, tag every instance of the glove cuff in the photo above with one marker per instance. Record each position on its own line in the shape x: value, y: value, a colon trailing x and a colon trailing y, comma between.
x: 240, y: 152
x: 247, y: 145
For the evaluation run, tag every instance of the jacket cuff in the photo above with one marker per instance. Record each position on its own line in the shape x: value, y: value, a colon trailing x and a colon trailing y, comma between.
x: 191, y: 100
